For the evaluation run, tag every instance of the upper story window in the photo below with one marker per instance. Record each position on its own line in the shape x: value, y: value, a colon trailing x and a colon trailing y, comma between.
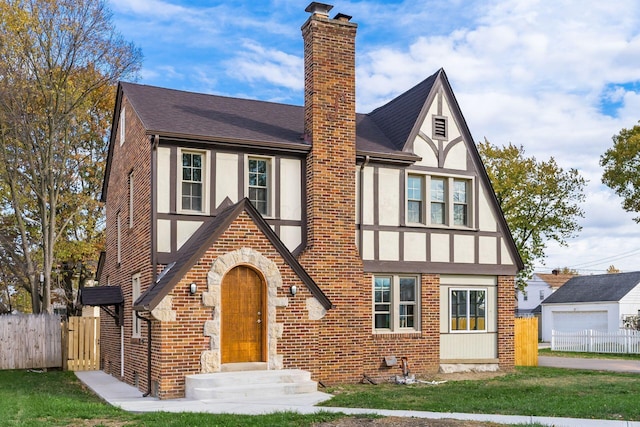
x: 448, y: 200
x: 122, y: 125
x: 259, y: 184
x: 468, y: 309
x: 437, y: 201
x: 192, y: 181
x: 395, y: 303
x: 541, y: 295
x: 460, y: 202
x: 415, y: 199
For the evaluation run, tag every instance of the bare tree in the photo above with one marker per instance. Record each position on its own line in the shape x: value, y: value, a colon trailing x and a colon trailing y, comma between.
x: 58, y: 58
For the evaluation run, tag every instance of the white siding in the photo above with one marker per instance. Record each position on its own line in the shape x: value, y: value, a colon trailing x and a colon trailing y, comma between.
x: 185, y: 230
x: 468, y: 346
x: 486, y: 218
x: 415, y: 247
x: 291, y: 237
x: 290, y: 189
x: 488, y: 253
x: 163, y: 196
x: 439, y: 248
x: 389, y: 246
x: 226, y: 177
x: 463, y: 249
x: 389, y: 196
x: 164, y: 235
x: 579, y: 316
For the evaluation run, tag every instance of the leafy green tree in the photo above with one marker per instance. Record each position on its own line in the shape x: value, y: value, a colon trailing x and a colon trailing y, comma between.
x: 621, y: 165
x: 58, y: 59
x: 539, y: 199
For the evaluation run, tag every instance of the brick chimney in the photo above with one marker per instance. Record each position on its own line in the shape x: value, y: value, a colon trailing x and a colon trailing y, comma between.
x: 330, y: 126
x: 331, y: 256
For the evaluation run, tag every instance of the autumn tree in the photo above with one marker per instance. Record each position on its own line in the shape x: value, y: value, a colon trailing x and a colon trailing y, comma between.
x: 613, y: 270
x: 621, y: 165
x: 59, y: 62
x: 539, y: 199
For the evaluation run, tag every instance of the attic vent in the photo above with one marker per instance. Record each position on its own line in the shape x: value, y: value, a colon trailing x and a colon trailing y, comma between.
x: 439, y: 127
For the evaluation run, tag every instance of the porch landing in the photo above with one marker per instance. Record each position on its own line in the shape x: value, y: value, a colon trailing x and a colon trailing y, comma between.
x: 251, y: 384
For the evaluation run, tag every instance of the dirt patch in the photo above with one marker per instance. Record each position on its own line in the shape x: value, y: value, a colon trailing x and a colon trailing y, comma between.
x: 402, y: 422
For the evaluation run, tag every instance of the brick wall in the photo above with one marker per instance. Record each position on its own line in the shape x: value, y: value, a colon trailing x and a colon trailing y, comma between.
x: 506, y: 321
x: 132, y: 156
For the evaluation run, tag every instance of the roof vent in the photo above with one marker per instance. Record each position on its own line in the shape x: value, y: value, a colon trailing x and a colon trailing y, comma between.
x: 316, y: 8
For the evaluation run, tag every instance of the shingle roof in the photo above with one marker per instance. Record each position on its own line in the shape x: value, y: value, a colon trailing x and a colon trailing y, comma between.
x: 195, y: 247
x: 555, y: 280
x: 397, y: 118
x: 602, y: 287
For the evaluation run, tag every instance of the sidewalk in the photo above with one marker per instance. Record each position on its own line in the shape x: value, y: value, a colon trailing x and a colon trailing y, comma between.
x: 130, y: 399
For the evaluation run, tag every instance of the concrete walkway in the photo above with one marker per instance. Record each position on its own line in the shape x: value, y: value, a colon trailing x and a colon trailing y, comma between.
x: 130, y: 399
x: 615, y: 365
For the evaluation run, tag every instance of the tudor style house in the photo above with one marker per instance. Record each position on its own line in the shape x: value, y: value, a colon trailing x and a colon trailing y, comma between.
x: 253, y: 235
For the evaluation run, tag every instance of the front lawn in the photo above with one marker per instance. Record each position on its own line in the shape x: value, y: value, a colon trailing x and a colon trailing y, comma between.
x: 528, y: 391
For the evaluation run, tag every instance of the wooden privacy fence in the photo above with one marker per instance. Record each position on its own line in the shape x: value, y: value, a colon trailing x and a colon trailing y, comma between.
x: 526, y: 341
x: 30, y: 341
x: 83, y: 344
x: 590, y: 341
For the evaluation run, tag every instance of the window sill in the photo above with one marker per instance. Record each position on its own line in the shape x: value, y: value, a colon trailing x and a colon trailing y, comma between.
x: 397, y: 334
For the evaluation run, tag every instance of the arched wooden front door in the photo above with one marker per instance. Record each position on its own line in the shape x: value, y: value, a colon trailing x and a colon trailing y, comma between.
x: 243, y: 316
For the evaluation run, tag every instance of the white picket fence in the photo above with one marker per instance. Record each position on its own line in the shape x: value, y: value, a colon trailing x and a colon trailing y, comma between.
x: 626, y: 341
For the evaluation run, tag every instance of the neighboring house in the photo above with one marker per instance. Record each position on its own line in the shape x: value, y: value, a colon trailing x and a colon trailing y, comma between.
x: 538, y: 288
x: 256, y: 235
x: 600, y: 302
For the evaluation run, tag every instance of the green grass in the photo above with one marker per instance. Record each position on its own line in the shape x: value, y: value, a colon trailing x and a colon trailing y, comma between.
x: 548, y: 352
x: 57, y: 398
x: 528, y: 391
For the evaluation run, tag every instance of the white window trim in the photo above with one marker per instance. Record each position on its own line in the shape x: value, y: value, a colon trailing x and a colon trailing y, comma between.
x: 206, y: 182
x: 118, y: 239
x: 395, y: 302
x: 486, y: 311
x: 122, y: 125
x: 135, y: 293
x: 270, y: 181
x: 131, y: 199
x: 426, y: 202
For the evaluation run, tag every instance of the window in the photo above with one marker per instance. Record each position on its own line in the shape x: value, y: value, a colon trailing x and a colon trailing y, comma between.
x: 449, y: 200
x: 135, y: 293
x: 122, y: 128
x: 415, y: 205
x: 439, y: 127
x: 259, y: 184
x: 131, y: 199
x: 459, y: 202
x: 468, y: 309
x: 437, y: 201
x: 395, y: 300
x: 118, y: 239
x: 541, y: 295
x: 192, y: 181
x: 525, y: 296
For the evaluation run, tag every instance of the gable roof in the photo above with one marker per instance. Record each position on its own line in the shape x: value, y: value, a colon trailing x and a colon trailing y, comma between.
x: 555, y: 280
x: 203, y: 239
x: 601, y: 287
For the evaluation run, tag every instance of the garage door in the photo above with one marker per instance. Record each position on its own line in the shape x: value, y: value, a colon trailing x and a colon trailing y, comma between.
x: 573, y: 321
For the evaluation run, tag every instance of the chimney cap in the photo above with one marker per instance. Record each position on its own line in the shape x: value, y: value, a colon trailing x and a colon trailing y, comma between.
x: 343, y: 17
x: 317, y: 8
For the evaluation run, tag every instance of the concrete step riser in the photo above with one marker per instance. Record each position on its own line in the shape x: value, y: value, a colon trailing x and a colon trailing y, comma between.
x: 247, y: 378
x: 272, y: 390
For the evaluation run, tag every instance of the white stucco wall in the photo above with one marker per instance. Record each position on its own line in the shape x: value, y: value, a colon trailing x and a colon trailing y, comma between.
x: 226, y: 177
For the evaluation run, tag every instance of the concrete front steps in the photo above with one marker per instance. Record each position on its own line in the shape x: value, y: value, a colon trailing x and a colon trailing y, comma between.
x: 249, y: 384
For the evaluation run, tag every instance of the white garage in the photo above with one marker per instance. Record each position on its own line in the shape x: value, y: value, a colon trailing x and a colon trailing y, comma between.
x: 598, y: 302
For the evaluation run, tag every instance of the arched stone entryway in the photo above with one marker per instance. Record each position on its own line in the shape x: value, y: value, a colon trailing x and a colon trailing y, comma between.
x: 211, y: 360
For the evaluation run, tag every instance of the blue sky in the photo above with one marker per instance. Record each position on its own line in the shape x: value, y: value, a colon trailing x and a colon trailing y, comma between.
x: 558, y: 77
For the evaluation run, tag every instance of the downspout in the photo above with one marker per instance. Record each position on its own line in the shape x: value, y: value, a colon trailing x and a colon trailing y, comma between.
x: 148, y: 353
x: 361, y: 201
x: 154, y: 186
